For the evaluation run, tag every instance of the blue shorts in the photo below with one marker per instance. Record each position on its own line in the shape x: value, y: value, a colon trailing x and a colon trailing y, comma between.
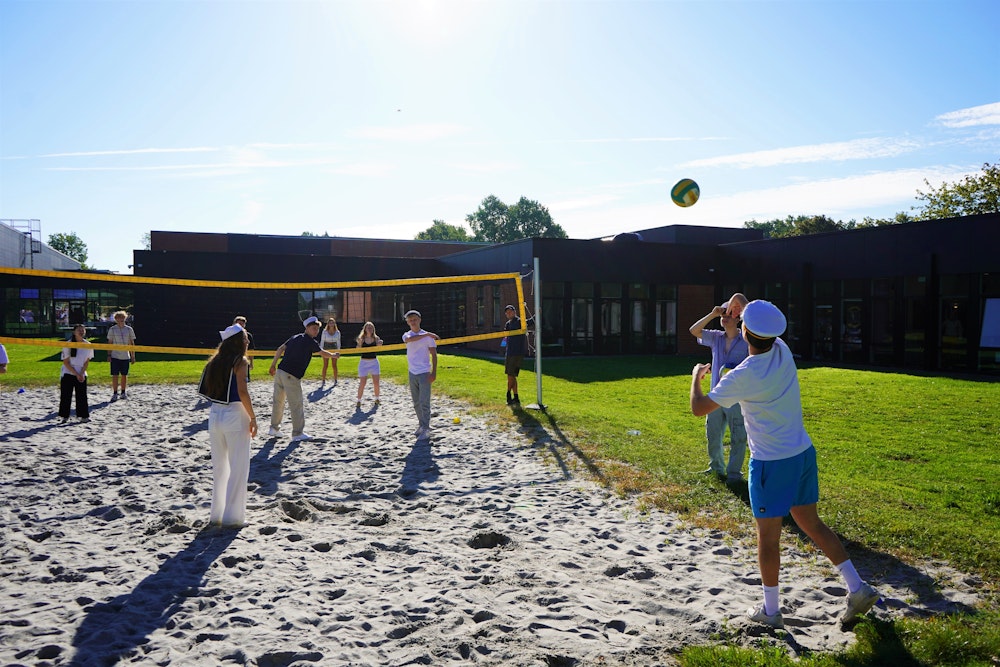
x: 119, y: 366
x: 778, y: 486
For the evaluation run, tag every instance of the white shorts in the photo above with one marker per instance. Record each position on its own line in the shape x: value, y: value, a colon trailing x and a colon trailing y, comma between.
x: 368, y: 367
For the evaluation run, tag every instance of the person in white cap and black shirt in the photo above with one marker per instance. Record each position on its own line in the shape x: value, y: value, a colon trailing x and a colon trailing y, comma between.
x: 295, y: 354
x: 783, y: 473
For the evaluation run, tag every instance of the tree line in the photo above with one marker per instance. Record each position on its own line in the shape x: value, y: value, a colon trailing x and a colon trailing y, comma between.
x: 973, y: 195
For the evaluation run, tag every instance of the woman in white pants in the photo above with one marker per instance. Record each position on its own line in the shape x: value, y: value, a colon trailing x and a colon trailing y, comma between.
x: 231, y: 426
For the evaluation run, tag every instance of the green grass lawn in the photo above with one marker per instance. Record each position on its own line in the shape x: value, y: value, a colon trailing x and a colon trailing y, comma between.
x: 908, y: 466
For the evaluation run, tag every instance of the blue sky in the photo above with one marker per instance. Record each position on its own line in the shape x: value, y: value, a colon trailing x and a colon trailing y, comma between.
x: 372, y: 119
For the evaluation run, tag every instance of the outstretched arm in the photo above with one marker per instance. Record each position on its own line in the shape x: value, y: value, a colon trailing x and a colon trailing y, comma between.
x: 701, y: 405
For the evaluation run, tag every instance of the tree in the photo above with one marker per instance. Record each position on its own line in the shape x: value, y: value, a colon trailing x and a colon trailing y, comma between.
x: 496, y: 222
x: 70, y: 245
x: 324, y: 235
x: 773, y: 229
x: 442, y: 231
x: 975, y: 194
x: 147, y: 240
x: 899, y: 219
x: 798, y: 225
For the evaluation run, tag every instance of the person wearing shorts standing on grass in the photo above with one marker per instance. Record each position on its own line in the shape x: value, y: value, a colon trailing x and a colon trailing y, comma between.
x: 513, y: 353
x: 368, y: 363
x: 295, y: 354
x: 120, y: 334
x: 728, y: 350
x: 422, y: 361
x: 783, y: 473
x: 3, y: 359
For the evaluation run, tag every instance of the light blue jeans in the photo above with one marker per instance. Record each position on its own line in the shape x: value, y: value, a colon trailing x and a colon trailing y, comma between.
x: 715, y: 427
x: 420, y: 390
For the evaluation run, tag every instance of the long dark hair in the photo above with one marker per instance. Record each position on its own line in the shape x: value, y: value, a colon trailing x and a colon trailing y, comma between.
x: 222, y: 361
x: 72, y: 338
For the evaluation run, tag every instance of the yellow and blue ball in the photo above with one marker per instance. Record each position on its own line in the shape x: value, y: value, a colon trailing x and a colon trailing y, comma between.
x: 685, y: 193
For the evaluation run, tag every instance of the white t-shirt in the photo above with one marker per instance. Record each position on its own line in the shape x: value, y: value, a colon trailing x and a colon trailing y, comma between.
x: 767, y: 388
x: 124, y: 335
x: 83, y: 355
x: 330, y: 341
x: 418, y: 356
x: 3, y: 354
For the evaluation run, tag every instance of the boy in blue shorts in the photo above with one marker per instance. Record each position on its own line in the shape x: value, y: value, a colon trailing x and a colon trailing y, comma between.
x: 783, y: 474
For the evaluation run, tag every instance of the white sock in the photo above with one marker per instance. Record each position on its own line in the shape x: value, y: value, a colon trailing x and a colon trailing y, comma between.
x: 850, y: 575
x: 771, y: 603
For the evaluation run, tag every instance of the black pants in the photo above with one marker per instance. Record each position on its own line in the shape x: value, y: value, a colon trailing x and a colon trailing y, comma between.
x: 67, y: 385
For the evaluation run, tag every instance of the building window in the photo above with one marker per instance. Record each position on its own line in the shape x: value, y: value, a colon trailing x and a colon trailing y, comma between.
x: 882, y: 339
x: 480, y: 306
x: 582, y: 319
x: 498, y: 317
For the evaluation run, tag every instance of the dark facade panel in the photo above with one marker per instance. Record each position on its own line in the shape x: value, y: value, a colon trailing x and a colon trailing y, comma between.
x: 280, y: 268
x: 692, y: 234
x: 962, y: 245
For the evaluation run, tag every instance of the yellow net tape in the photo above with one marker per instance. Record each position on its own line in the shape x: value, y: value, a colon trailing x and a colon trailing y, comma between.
x: 70, y: 275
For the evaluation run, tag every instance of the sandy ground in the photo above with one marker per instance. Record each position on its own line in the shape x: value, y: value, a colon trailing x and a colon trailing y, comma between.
x: 366, y: 547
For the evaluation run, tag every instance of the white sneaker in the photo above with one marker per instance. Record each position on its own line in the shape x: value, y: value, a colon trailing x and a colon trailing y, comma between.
x: 757, y: 615
x: 273, y: 432
x: 301, y: 436
x: 859, y: 602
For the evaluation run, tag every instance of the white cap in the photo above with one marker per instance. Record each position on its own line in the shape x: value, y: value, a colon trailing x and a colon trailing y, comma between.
x: 310, y: 320
x: 230, y: 331
x: 411, y: 312
x: 763, y: 319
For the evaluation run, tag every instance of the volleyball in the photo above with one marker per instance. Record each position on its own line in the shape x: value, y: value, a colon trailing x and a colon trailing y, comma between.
x: 685, y: 192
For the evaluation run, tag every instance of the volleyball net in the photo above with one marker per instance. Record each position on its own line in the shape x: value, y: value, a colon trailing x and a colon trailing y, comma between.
x: 183, y: 317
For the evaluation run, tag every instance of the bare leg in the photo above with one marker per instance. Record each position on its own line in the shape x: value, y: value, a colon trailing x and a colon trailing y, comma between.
x: 810, y: 523
x: 769, y: 549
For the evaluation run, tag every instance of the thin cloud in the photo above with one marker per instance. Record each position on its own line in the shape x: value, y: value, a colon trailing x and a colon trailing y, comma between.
x: 134, y: 151
x: 582, y: 203
x: 986, y: 114
x: 239, y: 165
x: 488, y: 167
x: 410, y: 133
x: 370, y: 169
x: 858, y: 149
x: 640, y: 140
x: 852, y: 197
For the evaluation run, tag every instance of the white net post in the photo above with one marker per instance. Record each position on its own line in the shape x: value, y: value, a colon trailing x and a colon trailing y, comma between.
x: 537, y: 289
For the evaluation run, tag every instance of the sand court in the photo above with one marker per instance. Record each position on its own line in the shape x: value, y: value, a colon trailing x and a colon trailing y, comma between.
x: 366, y: 547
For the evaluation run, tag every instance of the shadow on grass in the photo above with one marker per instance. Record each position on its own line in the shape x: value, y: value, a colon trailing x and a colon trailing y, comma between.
x: 551, y: 438
x: 884, y: 647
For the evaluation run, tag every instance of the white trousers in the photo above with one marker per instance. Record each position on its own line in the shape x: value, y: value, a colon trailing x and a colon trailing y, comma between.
x: 229, y: 433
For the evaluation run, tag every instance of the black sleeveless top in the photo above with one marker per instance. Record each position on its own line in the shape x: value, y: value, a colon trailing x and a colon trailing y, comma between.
x: 368, y: 355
